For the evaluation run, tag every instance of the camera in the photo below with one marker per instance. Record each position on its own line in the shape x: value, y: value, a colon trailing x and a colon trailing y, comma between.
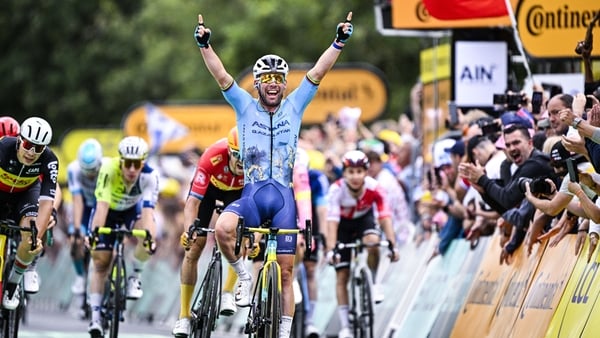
x: 510, y: 101
x: 537, y: 185
x: 489, y: 127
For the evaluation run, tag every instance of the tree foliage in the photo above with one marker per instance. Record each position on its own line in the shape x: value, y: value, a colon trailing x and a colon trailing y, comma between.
x: 85, y: 63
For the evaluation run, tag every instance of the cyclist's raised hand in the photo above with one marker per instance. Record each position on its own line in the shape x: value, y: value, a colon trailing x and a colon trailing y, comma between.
x: 344, y: 29
x: 201, y: 33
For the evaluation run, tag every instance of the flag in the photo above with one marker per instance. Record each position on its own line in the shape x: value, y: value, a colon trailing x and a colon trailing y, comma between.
x: 161, y: 128
x: 465, y: 9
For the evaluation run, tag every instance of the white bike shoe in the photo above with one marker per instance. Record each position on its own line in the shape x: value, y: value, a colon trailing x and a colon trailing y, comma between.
x: 134, y: 288
x: 31, y: 281
x: 228, y: 307
x: 312, y: 331
x: 13, y: 302
x: 182, y: 328
x: 243, y: 292
x: 345, y: 333
x: 95, y: 329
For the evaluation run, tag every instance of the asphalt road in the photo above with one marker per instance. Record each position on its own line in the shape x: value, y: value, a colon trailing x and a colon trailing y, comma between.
x: 64, y: 324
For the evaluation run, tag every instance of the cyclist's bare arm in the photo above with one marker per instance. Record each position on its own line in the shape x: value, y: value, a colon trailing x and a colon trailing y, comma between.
x: 77, y: 211
x: 212, y: 61
x: 44, y: 213
x: 100, y: 215
x: 330, y: 56
x: 147, y: 220
x: 331, y: 231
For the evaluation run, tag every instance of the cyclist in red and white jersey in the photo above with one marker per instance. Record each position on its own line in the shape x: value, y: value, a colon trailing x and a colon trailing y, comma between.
x: 219, y: 176
x: 350, y: 216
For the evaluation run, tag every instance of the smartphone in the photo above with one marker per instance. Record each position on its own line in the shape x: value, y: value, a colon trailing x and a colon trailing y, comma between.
x: 453, y: 113
x: 536, y: 102
x: 572, y: 168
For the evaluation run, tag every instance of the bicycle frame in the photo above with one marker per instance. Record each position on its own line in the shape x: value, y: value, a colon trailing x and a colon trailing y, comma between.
x: 10, y: 236
x: 207, y: 301
x: 265, y: 309
x: 361, y: 284
x: 115, y: 300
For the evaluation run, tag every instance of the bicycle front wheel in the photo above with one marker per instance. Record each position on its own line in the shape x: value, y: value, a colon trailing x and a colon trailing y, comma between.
x: 118, y: 296
x: 365, y: 316
x: 270, y: 311
x: 206, y: 313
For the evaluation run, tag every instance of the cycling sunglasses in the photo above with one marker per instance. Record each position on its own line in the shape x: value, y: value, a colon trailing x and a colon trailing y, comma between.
x: 127, y: 163
x: 268, y: 78
x: 27, y: 145
x: 236, y: 153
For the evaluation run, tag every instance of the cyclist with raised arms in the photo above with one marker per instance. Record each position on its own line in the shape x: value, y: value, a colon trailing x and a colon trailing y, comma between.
x: 268, y: 127
x: 350, y: 216
x: 125, y: 185
x: 28, y: 176
x: 82, y: 174
x: 219, y: 176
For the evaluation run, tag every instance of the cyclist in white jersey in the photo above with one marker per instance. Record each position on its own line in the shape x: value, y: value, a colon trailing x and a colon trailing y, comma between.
x: 268, y: 128
x: 125, y: 185
x: 81, y: 180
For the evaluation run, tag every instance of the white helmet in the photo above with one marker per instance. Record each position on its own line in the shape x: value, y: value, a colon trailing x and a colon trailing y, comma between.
x: 36, y: 130
x: 89, y: 155
x: 133, y: 148
x: 270, y: 63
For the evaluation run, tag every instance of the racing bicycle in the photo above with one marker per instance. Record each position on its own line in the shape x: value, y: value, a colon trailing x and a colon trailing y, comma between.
x: 361, y: 285
x: 114, y: 303
x: 207, y: 301
x: 264, y: 316
x: 10, y: 236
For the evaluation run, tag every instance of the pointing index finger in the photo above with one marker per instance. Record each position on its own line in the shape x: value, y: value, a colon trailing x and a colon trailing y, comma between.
x: 349, y: 17
x: 200, y: 20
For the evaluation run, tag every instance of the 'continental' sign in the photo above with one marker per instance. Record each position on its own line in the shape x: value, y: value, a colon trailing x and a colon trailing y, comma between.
x: 551, y: 28
x: 548, y: 28
x: 360, y: 86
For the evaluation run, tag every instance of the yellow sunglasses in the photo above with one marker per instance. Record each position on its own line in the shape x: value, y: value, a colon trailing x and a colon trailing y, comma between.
x: 269, y: 78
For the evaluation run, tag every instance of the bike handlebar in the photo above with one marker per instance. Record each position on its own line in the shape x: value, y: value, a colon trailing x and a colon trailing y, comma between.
x: 242, y: 231
x: 360, y: 245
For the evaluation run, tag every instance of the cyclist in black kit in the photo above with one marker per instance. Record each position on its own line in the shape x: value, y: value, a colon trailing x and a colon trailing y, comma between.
x: 28, y: 174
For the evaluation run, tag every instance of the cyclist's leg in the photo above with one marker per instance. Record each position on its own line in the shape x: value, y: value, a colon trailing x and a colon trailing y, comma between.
x: 26, y: 207
x: 101, y: 258
x: 225, y: 233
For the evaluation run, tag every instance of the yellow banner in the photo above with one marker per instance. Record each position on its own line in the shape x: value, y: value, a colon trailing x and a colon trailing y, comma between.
x: 574, y: 310
x: 549, y: 282
x: 435, y: 63
x: 487, y: 289
x: 524, y: 267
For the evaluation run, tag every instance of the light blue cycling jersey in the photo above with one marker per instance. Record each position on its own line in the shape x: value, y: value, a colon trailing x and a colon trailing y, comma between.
x: 268, y: 141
